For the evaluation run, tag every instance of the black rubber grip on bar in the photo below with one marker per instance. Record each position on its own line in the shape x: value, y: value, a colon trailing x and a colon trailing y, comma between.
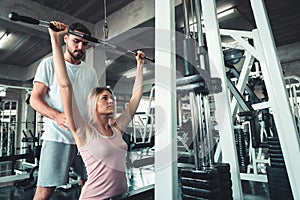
x: 84, y: 36
x: 146, y: 58
x: 133, y: 53
x: 16, y: 17
x: 90, y: 38
x: 53, y: 27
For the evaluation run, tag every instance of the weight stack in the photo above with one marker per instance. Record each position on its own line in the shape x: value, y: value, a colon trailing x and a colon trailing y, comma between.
x: 225, y: 180
x: 207, y: 183
x: 279, y: 185
x: 243, y: 157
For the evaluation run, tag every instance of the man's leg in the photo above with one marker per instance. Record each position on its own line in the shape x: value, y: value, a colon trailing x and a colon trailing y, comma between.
x: 79, y: 167
x: 54, y: 167
x: 43, y: 193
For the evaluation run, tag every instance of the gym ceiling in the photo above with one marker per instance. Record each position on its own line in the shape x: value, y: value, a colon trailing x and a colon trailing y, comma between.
x: 20, y: 55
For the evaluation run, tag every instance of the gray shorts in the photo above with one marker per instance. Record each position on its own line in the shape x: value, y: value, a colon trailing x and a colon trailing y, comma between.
x: 55, y: 161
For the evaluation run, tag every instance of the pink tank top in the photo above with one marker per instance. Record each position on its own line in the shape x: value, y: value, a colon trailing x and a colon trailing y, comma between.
x: 104, y: 158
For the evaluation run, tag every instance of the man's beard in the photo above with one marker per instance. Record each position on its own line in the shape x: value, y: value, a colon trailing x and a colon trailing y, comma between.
x: 76, y: 57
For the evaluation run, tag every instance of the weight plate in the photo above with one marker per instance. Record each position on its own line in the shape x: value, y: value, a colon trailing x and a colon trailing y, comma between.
x: 280, y: 188
x: 274, y: 155
x: 274, y: 142
x: 278, y: 179
x: 201, y: 184
x: 276, y: 160
x: 275, y: 151
x: 226, y: 185
x: 274, y: 146
x: 207, y: 174
x: 276, y: 173
x: 225, y: 177
x: 279, y: 165
x: 273, y: 139
x: 200, y: 192
x: 281, y: 195
x: 280, y: 184
x: 189, y: 197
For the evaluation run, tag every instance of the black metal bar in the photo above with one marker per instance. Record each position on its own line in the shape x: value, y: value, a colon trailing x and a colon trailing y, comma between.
x: 13, y: 157
x: 29, y: 20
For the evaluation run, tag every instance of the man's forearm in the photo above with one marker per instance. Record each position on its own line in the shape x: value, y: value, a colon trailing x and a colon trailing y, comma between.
x: 44, y: 109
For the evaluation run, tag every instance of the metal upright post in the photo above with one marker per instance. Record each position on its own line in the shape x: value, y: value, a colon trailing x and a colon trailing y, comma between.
x: 273, y: 77
x: 1, y: 132
x: 166, y: 180
x: 223, y: 112
x: 195, y: 128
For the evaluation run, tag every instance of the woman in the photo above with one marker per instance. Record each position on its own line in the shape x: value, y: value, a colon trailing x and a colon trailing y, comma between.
x: 99, y: 142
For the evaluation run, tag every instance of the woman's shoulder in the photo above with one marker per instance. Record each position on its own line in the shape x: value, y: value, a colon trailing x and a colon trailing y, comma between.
x: 85, y: 134
x: 116, y: 128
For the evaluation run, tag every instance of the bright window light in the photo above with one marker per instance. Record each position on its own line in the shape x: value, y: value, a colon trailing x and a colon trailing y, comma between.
x: 2, y: 91
x: 4, y: 38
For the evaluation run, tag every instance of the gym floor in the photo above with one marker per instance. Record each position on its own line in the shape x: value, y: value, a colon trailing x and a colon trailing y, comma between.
x: 251, y: 190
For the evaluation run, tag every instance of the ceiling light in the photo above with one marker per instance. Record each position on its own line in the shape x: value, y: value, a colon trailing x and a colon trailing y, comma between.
x: 108, y: 61
x: 226, y: 13
x: 132, y: 72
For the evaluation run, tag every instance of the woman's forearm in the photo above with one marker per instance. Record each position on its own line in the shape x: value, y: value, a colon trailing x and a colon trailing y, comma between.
x: 59, y: 63
x: 64, y: 82
x: 137, y: 89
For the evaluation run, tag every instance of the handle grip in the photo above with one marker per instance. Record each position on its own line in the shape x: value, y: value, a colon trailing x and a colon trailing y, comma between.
x: 53, y: 27
x: 84, y: 36
x: 134, y: 53
x: 146, y: 58
x: 16, y: 17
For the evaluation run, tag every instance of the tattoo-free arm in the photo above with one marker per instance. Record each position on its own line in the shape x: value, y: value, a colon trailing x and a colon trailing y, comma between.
x: 38, y: 103
x: 66, y: 89
x: 124, y: 119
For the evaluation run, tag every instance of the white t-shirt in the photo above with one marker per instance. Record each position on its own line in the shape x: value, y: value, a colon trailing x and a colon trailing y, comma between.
x: 83, y: 78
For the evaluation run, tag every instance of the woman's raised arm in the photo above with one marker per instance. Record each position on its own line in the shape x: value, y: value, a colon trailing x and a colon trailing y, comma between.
x: 124, y: 119
x: 64, y: 82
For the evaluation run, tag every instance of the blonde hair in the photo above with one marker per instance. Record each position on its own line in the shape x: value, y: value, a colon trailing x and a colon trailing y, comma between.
x: 92, y: 100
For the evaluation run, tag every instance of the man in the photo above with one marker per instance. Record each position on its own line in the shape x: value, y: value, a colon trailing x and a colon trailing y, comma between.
x: 59, y: 151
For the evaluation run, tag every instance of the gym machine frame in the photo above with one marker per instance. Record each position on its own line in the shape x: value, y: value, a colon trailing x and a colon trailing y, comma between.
x: 12, y: 157
x: 281, y: 108
x: 240, y: 41
x: 274, y: 84
x: 202, y: 87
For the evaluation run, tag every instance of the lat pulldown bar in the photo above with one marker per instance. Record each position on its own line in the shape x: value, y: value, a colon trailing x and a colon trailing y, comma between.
x: 16, y: 17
